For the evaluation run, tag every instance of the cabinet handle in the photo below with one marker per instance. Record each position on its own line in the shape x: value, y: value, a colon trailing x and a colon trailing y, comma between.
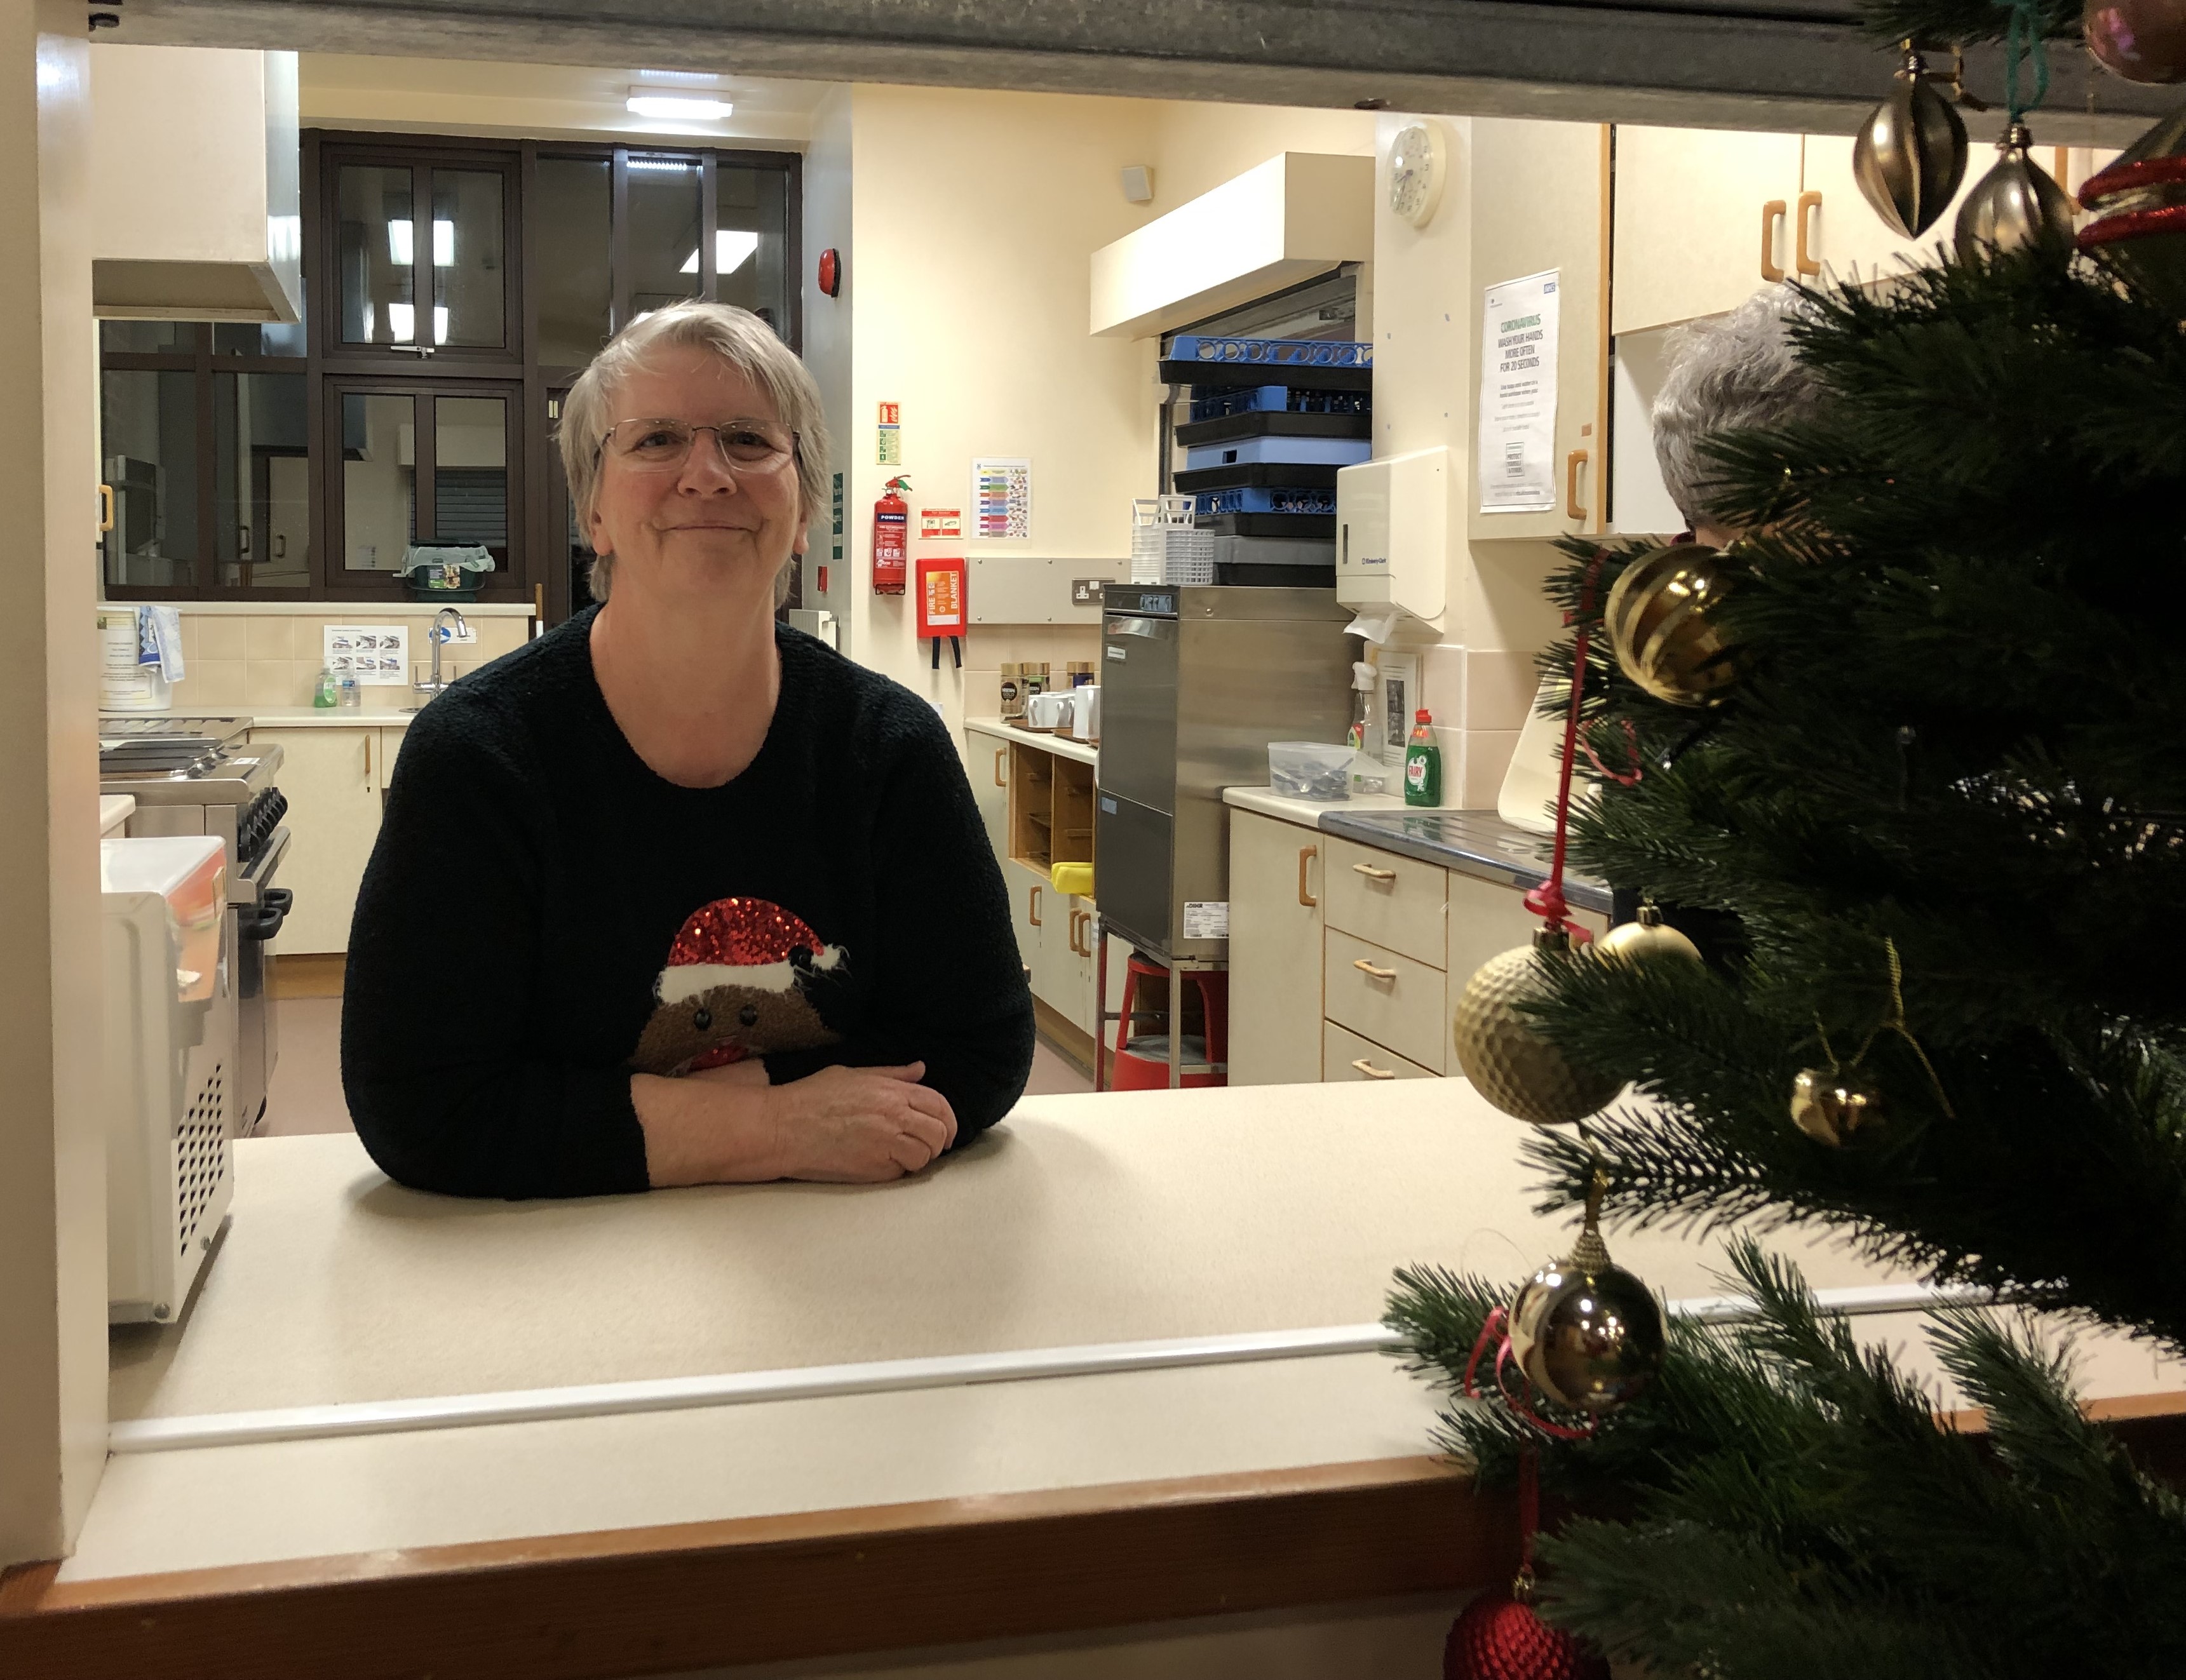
x: 1031, y: 905
x: 105, y: 508
x: 1372, y: 873
x: 1366, y: 967
x: 999, y: 781
x: 371, y: 780
x: 1771, y: 214
x: 1809, y: 203
x: 1306, y: 855
x: 1573, y: 462
x: 1373, y: 1072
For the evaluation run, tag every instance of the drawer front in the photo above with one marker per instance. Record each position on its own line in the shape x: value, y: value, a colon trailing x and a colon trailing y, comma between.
x: 1486, y: 918
x: 1346, y: 1057
x: 1392, y: 901
x: 1387, y: 997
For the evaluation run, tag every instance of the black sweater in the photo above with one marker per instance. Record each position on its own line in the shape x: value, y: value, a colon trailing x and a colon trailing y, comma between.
x: 543, y: 915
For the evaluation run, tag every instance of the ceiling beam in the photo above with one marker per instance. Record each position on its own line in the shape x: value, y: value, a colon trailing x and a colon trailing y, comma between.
x: 1726, y: 64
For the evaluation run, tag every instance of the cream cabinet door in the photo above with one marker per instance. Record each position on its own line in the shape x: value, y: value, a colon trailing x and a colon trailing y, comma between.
x: 1062, y: 972
x: 333, y: 779
x: 1703, y: 218
x: 987, y: 762
x: 1540, y: 201
x: 1277, y: 877
x: 1031, y: 901
x: 1835, y: 228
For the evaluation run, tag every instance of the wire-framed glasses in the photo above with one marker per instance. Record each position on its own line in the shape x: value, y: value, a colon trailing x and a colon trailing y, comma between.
x: 664, y: 445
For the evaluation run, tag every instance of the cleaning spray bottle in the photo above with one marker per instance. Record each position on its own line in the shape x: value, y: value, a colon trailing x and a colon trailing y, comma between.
x: 1368, y: 774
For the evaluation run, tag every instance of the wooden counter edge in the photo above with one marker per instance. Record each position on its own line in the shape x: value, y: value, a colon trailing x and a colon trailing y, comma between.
x: 828, y: 1583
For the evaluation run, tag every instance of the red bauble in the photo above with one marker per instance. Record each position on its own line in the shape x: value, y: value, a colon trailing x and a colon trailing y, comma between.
x: 1499, y: 1638
x: 2141, y: 40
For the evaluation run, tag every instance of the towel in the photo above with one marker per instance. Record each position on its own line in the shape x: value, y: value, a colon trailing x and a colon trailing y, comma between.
x: 160, y: 640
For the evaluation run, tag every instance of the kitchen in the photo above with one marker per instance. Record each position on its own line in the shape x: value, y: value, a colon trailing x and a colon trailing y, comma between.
x: 956, y: 344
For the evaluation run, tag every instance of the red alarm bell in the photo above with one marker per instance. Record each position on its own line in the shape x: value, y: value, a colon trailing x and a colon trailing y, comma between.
x: 831, y: 271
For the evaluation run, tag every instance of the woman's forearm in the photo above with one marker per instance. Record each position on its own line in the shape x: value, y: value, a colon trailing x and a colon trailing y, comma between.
x: 723, y: 1130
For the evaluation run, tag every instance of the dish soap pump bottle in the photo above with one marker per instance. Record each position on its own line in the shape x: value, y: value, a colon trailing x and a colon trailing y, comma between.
x: 1422, y: 763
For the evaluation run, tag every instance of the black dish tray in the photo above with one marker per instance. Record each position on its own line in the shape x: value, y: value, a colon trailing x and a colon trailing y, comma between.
x: 1269, y: 424
x: 1258, y: 475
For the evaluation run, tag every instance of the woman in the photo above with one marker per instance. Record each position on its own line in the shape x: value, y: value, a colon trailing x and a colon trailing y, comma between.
x: 675, y: 895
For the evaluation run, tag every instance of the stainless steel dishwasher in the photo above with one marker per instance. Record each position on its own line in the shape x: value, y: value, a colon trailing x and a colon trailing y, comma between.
x: 1195, y: 682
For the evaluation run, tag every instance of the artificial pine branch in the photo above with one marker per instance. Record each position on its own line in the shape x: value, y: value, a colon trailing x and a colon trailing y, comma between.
x: 1962, y: 22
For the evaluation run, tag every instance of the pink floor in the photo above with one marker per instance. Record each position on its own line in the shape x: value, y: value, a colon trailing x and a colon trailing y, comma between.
x: 307, y: 1094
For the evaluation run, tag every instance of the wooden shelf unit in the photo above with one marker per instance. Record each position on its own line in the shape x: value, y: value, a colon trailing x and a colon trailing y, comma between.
x: 1051, y: 809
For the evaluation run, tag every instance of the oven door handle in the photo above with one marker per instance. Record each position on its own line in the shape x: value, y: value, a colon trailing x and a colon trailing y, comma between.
x: 271, y: 911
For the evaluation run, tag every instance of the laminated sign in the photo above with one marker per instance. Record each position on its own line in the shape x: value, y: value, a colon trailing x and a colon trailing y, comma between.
x: 1518, y: 395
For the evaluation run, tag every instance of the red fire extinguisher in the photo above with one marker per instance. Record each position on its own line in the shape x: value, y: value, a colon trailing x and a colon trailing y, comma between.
x: 891, y: 534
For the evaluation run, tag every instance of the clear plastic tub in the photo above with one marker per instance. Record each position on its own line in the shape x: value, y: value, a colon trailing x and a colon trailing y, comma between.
x: 1309, y: 770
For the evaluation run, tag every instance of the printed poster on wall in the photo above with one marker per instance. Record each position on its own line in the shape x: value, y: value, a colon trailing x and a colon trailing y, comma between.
x: 1518, y: 395
x: 376, y: 655
x: 1002, y: 497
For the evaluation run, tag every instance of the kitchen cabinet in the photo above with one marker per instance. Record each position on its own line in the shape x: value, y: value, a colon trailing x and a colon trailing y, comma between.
x: 332, y: 777
x: 1845, y: 236
x: 1395, y: 1001
x: 1703, y: 218
x: 1350, y: 1059
x: 988, y: 765
x: 1278, y: 877
x: 1540, y: 201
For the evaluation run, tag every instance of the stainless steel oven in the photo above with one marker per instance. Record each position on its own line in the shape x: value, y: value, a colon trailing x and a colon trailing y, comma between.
x: 201, y: 775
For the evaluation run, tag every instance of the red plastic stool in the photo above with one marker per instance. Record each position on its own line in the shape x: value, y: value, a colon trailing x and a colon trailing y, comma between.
x: 1140, y: 1061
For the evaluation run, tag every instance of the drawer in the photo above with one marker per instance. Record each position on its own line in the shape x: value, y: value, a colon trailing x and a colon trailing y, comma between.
x: 1486, y: 918
x: 1387, y: 997
x: 1346, y: 1057
x: 1392, y: 901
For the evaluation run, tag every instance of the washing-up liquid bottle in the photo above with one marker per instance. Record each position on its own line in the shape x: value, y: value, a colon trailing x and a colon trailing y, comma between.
x: 323, y: 695
x: 1422, y: 763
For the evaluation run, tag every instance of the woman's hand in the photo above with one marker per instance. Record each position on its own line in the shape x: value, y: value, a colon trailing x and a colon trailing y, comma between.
x: 860, y: 1125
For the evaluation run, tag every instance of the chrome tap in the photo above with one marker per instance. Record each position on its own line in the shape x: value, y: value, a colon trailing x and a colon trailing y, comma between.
x: 435, y: 683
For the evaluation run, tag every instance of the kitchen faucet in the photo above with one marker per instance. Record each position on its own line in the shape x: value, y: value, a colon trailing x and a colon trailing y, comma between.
x: 435, y: 683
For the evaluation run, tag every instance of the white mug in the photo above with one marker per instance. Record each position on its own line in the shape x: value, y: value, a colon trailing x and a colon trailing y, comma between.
x: 1046, y: 711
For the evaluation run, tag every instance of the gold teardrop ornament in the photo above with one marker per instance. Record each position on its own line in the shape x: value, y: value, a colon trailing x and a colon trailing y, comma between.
x: 2016, y: 203
x: 1910, y: 154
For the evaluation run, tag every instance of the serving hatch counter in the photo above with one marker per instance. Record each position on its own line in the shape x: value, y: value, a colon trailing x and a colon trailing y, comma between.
x: 397, y: 1431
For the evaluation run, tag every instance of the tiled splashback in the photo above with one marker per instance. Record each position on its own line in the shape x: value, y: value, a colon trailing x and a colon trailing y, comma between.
x: 236, y: 661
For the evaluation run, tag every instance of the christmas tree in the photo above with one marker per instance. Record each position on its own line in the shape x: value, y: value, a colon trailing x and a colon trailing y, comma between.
x: 1939, y: 802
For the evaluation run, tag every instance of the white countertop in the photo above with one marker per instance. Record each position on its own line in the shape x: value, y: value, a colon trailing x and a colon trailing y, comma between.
x: 1062, y: 746
x: 114, y: 811
x: 1269, y: 802
x: 351, y: 611
x: 1084, y: 1220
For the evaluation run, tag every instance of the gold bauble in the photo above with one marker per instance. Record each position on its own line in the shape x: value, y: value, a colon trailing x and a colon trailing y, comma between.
x: 1586, y: 1332
x: 1662, y: 622
x: 1911, y: 153
x: 1645, y: 939
x: 1830, y: 1107
x: 2015, y: 203
x: 1504, y: 1054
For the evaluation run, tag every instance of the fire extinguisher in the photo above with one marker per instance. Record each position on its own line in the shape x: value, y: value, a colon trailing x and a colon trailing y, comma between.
x: 891, y: 535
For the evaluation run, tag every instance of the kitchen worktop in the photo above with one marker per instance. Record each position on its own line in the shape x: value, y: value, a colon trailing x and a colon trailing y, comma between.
x: 1473, y: 843
x: 1291, y: 809
x: 291, y: 717
x: 1086, y: 753
x: 115, y: 810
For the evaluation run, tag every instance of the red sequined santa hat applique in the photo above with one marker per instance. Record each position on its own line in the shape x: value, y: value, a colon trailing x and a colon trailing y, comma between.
x: 742, y: 941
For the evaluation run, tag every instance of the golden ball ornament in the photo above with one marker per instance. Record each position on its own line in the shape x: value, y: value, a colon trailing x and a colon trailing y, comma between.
x: 1830, y: 1107
x: 1645, y: 939
x: 1586, y: 1332
x: 1503, y: 1053
x: 1910, y: 154
x: 1663, y: 622
x: 2015, y: 205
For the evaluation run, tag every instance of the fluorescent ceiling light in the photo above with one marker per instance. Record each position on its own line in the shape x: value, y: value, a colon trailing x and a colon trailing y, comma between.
x: 403, y: 253
x: 681, y: 78
x: 733, y: 249
x: 654, y: 102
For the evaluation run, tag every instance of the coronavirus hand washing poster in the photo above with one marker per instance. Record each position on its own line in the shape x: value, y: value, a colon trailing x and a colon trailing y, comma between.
x: 1518, y: 395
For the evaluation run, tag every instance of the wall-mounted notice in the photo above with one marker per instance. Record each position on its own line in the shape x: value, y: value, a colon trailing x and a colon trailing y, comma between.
x: 888, y: 449
x: 376, y: 655
x: 1518, y: 395
x: 941, y: 524
x: 1001, y: 492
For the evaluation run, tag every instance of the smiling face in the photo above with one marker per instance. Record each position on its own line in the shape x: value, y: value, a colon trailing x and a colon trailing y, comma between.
x: 724, y: 1024
x: 702, y: 527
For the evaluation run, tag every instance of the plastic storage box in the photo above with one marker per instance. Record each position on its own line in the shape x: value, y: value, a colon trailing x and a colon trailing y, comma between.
x: 1309, y: 770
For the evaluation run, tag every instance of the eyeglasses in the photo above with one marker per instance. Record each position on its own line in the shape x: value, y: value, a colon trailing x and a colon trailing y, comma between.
x: 664, y: 445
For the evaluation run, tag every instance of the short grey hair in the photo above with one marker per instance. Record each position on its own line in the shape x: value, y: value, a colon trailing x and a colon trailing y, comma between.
x: 1730, y: 372
x: 741, y: 339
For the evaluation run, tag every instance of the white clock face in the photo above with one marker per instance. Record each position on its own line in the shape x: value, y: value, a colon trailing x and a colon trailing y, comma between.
x: 1415, y: 172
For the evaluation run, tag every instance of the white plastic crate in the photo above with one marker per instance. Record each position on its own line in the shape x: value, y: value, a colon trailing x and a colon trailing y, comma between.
x: 1167, y: 546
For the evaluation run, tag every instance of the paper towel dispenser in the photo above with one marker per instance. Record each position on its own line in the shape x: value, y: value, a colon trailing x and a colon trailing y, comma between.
x: 1392, y: 532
